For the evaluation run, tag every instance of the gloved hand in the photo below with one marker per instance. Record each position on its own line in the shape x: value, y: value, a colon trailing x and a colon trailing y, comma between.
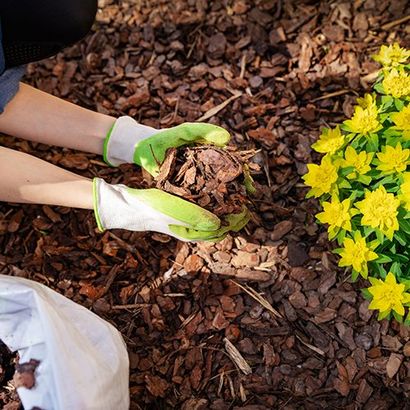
x: 130, y: 142
x: 118, y: 206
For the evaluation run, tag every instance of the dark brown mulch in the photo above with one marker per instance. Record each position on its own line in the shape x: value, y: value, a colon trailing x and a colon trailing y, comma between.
x: 282, y: 70
x: 8, y: 362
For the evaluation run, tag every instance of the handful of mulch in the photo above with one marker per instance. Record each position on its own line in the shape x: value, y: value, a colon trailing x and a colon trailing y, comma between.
x: 215, y: 179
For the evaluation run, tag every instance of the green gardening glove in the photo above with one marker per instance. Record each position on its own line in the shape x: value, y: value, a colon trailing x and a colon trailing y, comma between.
x: 130, y: 142
x: 118, y: 206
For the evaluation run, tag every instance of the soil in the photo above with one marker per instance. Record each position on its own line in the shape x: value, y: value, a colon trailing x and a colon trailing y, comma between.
x: 260, y: 321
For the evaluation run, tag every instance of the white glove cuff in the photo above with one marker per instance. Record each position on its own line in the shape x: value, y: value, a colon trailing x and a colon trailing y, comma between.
x: 119, y: 145
x: 116, y: 208
x: 112, y: 208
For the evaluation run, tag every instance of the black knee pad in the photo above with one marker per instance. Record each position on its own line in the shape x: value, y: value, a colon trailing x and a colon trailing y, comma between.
x: 36, y: 29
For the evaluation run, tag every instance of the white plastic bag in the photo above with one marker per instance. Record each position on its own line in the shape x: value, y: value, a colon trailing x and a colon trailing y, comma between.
x: 83, y: 359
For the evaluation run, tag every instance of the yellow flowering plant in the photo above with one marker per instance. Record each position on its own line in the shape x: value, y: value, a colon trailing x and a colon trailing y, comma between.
x: 363, y: 186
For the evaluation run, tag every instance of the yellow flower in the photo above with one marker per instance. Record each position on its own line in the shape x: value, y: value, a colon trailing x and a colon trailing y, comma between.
x: 393, y: 159
x: 321, y: 177
x: 388, y: 295
x: 402, y: 121
x: 330, y: 141
x: 357, y: 253
x: 364, y: 120
x: 368, y: 101
x: 337, y: 214
x: 379, y: 210
x: 405, y: 191
x: 392, y: 55
x: 360, y: 161
x: 396, y: 83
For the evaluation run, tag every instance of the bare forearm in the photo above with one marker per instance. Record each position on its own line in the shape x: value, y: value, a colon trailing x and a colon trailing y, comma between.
x: 37, y: 116
x: 27, y: 179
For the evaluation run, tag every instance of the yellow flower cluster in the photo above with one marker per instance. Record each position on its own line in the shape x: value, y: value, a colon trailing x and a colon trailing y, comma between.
x: 405, y: 191
x: 393, y: 159
x: 392, y: 56
x: 321, y: 178
x: 396, y: 83
x: 379, y: 210
x: 388, y: 295
x: 402, y: 121
x: 363, y: 185
x: 357, y: 253
x: 330, y: 141
x: 364, y: 120
x: 337, y: 214
x: 360, y: 162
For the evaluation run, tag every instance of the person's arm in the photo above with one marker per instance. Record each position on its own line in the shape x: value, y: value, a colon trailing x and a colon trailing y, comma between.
x: 27, y: 179
x: 37, y: 116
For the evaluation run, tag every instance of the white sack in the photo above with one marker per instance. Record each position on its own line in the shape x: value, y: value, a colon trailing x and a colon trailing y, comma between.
x: 84, y: 361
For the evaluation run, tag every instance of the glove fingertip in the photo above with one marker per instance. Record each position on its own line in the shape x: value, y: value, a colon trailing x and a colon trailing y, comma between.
x: 217, y: 239
x: 209, y: 223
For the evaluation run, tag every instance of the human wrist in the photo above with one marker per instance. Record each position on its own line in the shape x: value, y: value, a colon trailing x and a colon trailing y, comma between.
x: 121, y: 139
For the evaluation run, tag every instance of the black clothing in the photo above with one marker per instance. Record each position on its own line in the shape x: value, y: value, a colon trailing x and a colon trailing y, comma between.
x: 36, y: 29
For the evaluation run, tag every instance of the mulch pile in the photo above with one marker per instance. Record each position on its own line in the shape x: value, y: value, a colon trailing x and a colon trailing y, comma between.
x: 262, y: 320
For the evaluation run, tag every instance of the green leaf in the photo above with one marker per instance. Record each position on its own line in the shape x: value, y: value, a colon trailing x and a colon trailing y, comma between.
x: 367, y: 230
x: 346, y: 171
x: 395, y: 269
x: 398, y: 317
x: 344, y: 127
x: 349, y: 137
x: 399, y: 104
x: 366, y: 294
x: 406, y: 283
x: 384, y: 315
x: 248, y: 181
x: 379, y: 235
x: 392, y: 132
x: 399, y: 258
x: 383, y: 259
x: 355, y: 275
x: 383, y: 117
x: 400, y: 238
x: 387, y: 101
x: 373, y: 142
x: 343, y: 184
x: 364, y: 179
x: 341, y: 236
x: 405, y: 225
x: 386, y: 180
x: 379, y: 269
x: 379, y: 88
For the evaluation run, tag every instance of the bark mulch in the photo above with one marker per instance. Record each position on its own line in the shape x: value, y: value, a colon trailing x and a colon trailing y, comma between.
x: 264, y: 319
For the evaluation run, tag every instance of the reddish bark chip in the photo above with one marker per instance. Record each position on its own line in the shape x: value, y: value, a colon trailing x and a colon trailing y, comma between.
x: 24, y: 375
x: 193, y: 264
x: 393, y: 364
x: 156, y: 385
